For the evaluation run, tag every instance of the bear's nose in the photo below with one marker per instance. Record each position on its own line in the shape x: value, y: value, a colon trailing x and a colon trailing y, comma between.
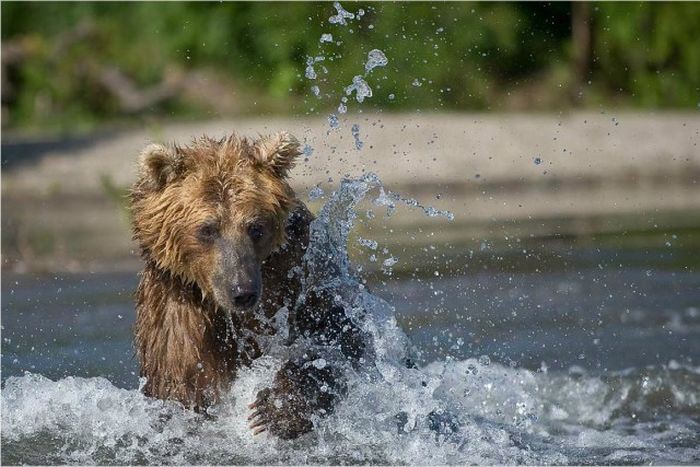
x: 245, y: 298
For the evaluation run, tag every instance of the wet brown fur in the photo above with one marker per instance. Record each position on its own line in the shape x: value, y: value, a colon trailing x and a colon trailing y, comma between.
x: 190, y: 346
x: 183, y: 341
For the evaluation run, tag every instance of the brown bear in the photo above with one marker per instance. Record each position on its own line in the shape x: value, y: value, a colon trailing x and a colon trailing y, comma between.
x: 223, y: 238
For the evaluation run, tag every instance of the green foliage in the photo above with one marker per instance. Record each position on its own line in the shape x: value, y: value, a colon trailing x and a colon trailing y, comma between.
x: 650, y: 51
x: 464, y: 55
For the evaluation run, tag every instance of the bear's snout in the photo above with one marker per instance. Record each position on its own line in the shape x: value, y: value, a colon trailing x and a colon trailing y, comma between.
x: 245, y: 297
x: 244, y: 290
x: 237, y: 281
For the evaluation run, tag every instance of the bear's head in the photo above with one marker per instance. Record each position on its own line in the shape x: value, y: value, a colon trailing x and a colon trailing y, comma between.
x: 212, y: 212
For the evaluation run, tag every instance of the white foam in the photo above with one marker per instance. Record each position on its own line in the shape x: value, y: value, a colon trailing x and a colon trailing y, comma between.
x: 441, y: 414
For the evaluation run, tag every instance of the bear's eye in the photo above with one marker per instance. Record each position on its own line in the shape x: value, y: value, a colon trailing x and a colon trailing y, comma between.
x: 256, y: 232
x: 208, y: 232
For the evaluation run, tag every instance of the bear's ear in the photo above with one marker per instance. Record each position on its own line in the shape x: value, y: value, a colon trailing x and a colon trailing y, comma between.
x: 278, y: 152
x: 159, y: 165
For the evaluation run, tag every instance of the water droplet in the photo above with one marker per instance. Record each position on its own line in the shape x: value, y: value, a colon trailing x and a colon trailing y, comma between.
x: 333, y: 121
x: 371, y: 244
x: 356, y: 135
x: 342, y: 16
x: 315, y: 192
x: 310, y: 73
x: 389, y: 262
x: 375, y: 58
x: 361, y: 88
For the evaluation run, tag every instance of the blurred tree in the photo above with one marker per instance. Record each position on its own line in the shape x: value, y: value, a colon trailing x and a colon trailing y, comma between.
x: 581, y: 45
x: 649, y: 52
x: 78, y: 63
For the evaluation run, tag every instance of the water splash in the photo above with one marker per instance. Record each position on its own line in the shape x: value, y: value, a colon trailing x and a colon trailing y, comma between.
x: 446, y: 413
x: 375, y: 58
x: 360, y: 87
x: 355, y: 130
x: 333, y: 121
x: 315, y: 193
x: 342, y: 15
x: 473, y: 411
x: 342, y: 107
x: 371, y: 244
x: 307, y: 150
x: 310, y: 73
x: 389, y: 199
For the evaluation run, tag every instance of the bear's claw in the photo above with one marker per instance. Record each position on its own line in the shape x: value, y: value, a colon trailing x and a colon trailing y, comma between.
x: 258, y: 420
x: 284, y: 419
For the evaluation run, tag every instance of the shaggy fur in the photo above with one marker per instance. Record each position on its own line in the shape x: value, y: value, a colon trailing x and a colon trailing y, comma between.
x: 193, y: 209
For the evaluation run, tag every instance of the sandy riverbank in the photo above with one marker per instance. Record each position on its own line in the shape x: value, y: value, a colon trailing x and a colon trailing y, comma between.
x: 500, y: 174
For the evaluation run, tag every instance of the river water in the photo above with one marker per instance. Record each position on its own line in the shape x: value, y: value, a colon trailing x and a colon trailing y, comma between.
x: 582, y: 365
